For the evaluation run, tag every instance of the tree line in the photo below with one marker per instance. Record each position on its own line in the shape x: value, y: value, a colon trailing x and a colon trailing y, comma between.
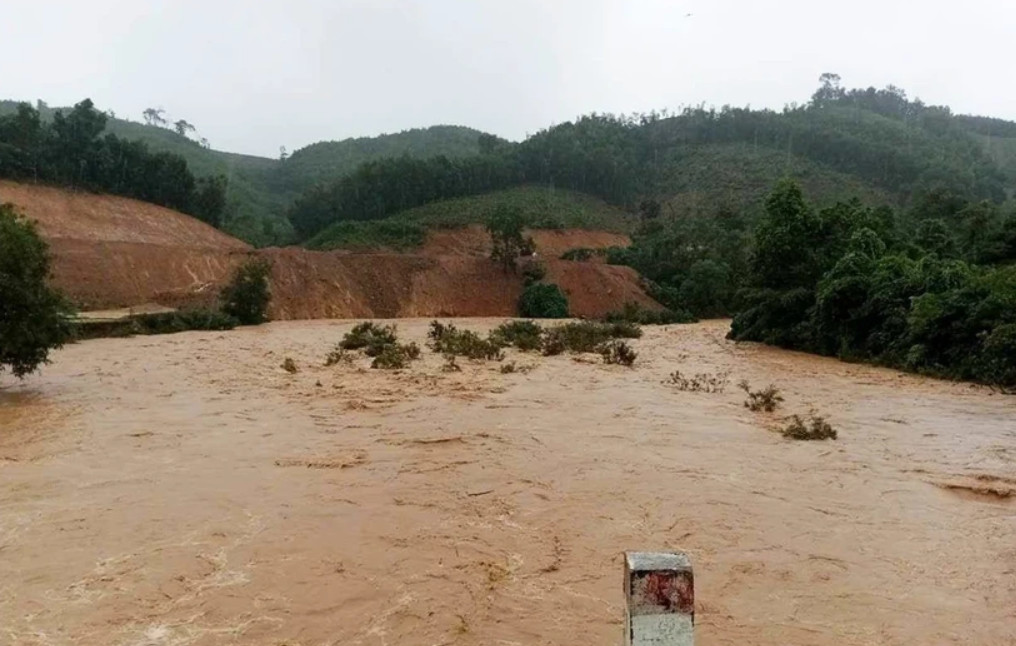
x: 879, y: 136
x: 932, y: 290
x: 70, y: 150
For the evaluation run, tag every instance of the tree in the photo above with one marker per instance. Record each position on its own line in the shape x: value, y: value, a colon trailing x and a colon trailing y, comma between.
x: 543, y: 300
x: 247, y: 295
x: 283, y: 153
x: 505, y: 227
x: 182, y: 127
x: 33, y: 317
x: 153, y: 116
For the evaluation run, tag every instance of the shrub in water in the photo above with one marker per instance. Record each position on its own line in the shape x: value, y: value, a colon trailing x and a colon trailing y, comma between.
x: 701, y: 382
x: 395, y: 356
x: 447, y: 339
x: 818, y: 429
x: 768, y: 399
x: 246, y: 297
x: 543, y: 301
x: 337, y: 356
x: 581, y: 254
x: 586, y: 336
x: 508, y: 368
x: 289, y: 366
x: 635, y: 313
x: 369, y: 337
x: 618, y: 353
x: 524, y: 335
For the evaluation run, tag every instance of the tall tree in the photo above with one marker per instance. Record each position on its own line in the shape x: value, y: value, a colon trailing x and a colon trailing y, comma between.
x: 153, y: 116
x: 33, y: 317
x: 182, y: 127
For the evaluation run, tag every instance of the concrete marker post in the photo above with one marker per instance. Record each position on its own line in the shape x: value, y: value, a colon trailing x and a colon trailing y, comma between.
x: 660, y: 599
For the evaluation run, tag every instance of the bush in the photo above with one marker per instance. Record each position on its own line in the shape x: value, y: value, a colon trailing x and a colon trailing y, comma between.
x: 768, y: 399
x: 618, y: 353
x: 584, y: 336
x: 635, y: 313
x: 33, y: 317
x: 508, y: 368
x: 999, y: 357
x: 624, y: 330
x: 701, y: 382
x: 543, y: 301
x: 447, y: 339
x: 818, y: 429
x: 524, y: 335
x: 369, y: 337
x: 289, y: 366
x: 395, y: 356
x: 246, y: 297
x: 160, y: 323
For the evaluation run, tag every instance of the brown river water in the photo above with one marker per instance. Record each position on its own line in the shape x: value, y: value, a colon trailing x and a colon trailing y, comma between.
x: 185, y: 490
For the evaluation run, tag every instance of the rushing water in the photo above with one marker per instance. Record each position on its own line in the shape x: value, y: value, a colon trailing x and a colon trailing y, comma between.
x: 186, y: 490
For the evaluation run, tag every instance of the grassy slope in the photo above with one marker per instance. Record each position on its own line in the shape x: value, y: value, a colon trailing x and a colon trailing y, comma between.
x: 543, y: 207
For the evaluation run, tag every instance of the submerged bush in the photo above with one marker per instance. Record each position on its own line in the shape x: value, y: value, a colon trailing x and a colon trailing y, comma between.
x: 635, y: 313
x: 290, y: 366
x: 337, y: 356
x: 618, y: 353
x: 543, y: 301
x: 585, y: 336
x: 447, y: 339
x: 395, y: 356
x: 157, y: 323
x: 369, y: 337
x: 768, y: 399
x: 450, y: 365
x: 818, y: 429
x: 701, y: 382
x: 524, y: 335
x: 246, y: 297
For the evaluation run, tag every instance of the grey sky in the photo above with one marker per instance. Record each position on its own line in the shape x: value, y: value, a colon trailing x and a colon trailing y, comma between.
x: 257, y: 74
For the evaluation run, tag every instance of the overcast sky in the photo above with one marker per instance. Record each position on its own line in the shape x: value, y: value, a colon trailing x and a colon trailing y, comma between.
x: 254, y: 75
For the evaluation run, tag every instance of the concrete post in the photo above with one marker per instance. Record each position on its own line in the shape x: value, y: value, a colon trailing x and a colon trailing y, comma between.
x: 660, y: 593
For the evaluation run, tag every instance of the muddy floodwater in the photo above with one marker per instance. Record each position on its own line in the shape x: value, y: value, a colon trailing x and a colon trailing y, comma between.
x: 186, y: 490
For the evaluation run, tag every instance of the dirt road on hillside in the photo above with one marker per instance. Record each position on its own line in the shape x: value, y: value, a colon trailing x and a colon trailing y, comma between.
x: 185, y: 490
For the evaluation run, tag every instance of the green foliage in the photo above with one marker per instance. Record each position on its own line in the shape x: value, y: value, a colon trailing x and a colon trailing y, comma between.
x: 524, y: 335
x: 70, y: 150
x: 370, y: 337
x: 635, y: 313
x: 337, y: 356
x: 543, y: 301
x: 247, y: 295
x: 369, y: 235
x: 505, y: 226
x: 395, y: 356
x: 585, y: 336
x: 617, y: 353
x: 817, y: 429
x: 864, y: 291
x: 33, y: 317
x: 158, y: 323
x: 447, y: 339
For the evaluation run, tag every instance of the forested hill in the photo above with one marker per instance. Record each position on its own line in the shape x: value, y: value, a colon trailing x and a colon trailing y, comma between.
x: 876, y: 145
x: 259, y: 190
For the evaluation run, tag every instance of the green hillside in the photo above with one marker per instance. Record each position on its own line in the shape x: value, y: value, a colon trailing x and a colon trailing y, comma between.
x: 542, y: 207
x: 261, y: 190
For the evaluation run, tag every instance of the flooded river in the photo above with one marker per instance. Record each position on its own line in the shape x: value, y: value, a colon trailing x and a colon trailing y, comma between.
x: 186, y: 490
